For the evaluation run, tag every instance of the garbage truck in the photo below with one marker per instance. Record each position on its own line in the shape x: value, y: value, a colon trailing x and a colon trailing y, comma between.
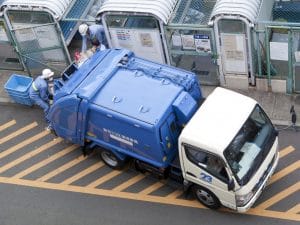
x: 223, y: 148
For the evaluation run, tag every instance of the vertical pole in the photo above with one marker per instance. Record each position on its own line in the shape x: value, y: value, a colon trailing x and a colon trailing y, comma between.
x: 268, y: 57
x: 258, y: 54
x: 289, y: 82
x: 164, y: 42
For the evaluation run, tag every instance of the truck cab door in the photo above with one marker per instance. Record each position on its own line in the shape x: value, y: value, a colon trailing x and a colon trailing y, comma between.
x: 209, y: 171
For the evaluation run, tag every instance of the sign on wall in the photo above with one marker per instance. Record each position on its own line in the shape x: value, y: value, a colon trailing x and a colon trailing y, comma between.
x: 279, y: 51
x: 234, y: 52
x: 145, y: 43
x: 202, y: 43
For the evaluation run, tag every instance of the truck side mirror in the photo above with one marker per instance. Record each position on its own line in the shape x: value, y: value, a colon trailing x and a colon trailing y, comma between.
x: 230, y: 185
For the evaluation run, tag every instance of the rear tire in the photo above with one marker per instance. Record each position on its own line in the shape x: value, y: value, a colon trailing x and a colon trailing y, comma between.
x: 110, y: 159
x: 206, y: 197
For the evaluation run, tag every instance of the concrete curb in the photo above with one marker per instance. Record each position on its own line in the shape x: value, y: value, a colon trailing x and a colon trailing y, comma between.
x: 6, y: 100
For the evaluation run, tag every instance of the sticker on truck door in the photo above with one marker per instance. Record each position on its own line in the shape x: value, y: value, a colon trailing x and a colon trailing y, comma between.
x: 205, y: 177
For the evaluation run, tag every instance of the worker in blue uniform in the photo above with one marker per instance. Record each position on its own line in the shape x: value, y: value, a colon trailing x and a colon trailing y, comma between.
x: 94, y: 33
x: 39, y: 92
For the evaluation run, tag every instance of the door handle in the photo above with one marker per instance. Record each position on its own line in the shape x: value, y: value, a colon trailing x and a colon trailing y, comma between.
x: 191, y: 174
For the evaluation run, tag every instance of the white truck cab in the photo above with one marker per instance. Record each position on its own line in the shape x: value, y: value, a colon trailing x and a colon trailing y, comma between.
x: 228, y: 151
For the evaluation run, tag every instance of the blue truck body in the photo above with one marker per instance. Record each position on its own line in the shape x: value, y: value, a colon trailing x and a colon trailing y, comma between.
x: 131, y: 106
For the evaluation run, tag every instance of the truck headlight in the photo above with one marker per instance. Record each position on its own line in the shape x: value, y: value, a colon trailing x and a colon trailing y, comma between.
x: 242, y: 200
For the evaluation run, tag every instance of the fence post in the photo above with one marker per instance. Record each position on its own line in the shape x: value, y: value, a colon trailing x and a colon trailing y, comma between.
x: 289, y: 81
x: 267, y: 42
x: 258, y: 53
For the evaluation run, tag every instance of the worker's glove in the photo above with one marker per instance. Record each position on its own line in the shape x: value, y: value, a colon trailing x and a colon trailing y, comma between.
x: 94, y: 48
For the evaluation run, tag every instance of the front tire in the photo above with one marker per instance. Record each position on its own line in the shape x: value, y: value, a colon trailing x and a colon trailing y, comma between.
x: 110, y: 159
x: 206, y: 197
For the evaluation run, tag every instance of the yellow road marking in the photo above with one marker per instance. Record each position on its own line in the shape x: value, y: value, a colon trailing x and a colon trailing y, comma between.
x: 152, y: 188
x: 23, y: 144
x: 284, y: 172
x: 46, y: 161
x: 83, y: 173
x: 62, y: 168
x: 274, y: 214
x: 101, y: 192
x: 295, y: 209
x: 129, y: 182
x: 175, y: 194
x: 141, y: 197
x: 286, y: 151
x: 30, y: 154
x: 105, y: 178
x: 278, y: 197
x: 7, y: 125
x: 18, y: 132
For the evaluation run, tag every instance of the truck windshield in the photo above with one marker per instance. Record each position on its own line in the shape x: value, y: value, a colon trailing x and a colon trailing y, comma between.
x: 250, y: 146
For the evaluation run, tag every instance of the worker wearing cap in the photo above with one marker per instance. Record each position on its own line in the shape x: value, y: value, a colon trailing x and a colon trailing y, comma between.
x: 95, y: 34
x: 38, y: 91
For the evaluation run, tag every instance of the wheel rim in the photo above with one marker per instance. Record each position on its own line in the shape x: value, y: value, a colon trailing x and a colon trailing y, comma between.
x: 205, y: 197
x: 109, y: 158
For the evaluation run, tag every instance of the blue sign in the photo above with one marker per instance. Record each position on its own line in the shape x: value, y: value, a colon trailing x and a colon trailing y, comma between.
x: 205, y: 177
x: 201, y: 36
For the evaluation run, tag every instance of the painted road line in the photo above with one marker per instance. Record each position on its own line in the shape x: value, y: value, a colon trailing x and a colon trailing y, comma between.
x: 18, y: 132
x: 46, y: 161
x: 7, y: 125
x: 63, y: 168
x: 274, y: 214
x: 30, y: 154
x: 129, y: 182
x: 284, y: 172
x: 139, y: 197
x: 175, y: 194
x: 104, y: 178
x: 295, y: 209
x: 286, y: 151
x: 83, y: 173
x: 278, y: 197
x: 100, y: 192
x: 23, y: 144
x: 152, y: 188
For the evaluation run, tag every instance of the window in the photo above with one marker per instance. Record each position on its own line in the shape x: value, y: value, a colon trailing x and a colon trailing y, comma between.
x: 209, y: 162
x: 248, y: 149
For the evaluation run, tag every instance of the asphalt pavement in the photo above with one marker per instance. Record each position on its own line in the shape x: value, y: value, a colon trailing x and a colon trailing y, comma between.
x: 276, y: 105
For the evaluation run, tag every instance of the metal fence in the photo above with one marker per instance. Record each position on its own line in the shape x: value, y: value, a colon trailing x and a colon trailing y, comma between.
x: 38, y: 40
x: 193, y: 12
x: 9, y: 59
x: 190, y: 41
x: 193, y: 49
x: 40, y: 47
x: 277, y: 46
